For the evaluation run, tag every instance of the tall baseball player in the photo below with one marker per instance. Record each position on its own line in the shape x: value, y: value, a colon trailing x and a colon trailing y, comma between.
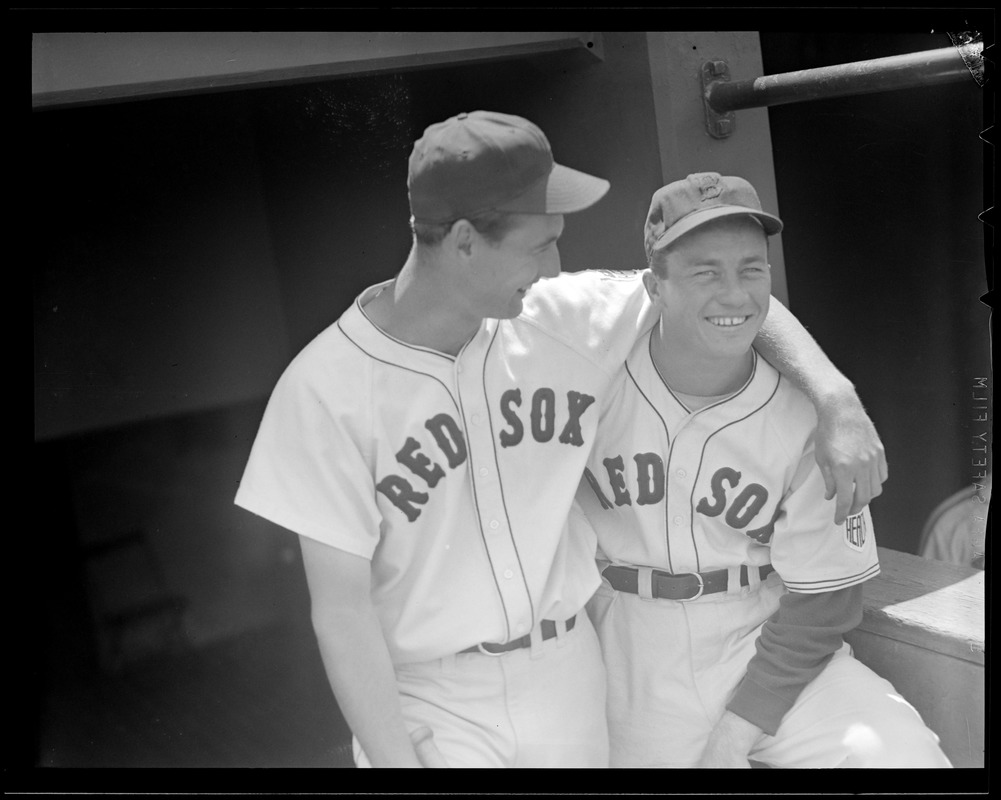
x: 726, y: 585
x: 427, y: 448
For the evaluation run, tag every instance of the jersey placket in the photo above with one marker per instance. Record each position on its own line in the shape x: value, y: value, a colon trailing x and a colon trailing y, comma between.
x: 488, y: 492
x: 682, y: 473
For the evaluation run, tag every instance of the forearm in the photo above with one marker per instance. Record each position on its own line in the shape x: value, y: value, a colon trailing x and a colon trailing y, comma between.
x: 361, y: 675
x: 788, y: 346
x: 849, y: 452
x: 793, y: 648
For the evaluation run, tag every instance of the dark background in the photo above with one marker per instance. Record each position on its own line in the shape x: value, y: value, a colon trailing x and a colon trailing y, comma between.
x: 185, y: 248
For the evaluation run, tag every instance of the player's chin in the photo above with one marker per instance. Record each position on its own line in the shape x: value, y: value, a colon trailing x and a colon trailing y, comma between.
x: 732, y: 340
x: 516, y: 305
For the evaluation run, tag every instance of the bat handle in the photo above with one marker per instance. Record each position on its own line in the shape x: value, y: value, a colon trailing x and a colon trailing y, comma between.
x: 427, y: 752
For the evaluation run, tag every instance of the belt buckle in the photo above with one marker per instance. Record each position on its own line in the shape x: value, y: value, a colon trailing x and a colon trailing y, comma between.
x: 698, y: 594
x: 479, y: 646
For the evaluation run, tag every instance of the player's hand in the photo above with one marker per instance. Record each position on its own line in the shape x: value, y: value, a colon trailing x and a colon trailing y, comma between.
x: 850, y: 455
x: 429, y: 755
x: 729, y: 743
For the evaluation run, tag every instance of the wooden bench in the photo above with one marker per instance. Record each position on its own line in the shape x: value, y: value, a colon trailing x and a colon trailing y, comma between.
x: 923, y: 630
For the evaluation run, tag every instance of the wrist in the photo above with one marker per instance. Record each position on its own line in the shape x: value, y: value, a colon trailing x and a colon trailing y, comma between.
x: 738, y: 730
x: 837, y: 389
x: 836, y: 398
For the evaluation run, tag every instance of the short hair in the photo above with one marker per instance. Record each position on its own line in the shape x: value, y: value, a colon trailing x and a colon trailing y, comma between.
x: 491, y: 225
x: 657, y: 260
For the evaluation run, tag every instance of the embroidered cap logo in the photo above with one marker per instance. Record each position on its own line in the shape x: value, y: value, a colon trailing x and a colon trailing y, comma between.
x: 709, y: 187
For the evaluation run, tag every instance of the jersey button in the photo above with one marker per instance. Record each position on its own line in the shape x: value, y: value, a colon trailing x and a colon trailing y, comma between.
x: 484, y: 472
x: 508, y: 574
x: 475, y: 419
x: 494, y: 524
x: 678, y: 520
x: 681, y: 473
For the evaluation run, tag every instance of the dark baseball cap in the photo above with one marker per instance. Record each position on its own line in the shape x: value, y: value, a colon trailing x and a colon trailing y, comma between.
x: 702, y: 197
x: 487, y: 161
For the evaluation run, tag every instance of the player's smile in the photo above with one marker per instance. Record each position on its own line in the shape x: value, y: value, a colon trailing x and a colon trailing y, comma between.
x: 728, y: 322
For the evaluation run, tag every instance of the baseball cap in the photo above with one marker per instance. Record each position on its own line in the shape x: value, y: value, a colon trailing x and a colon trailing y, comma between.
x: 482, y: 161
x: 702, y: 197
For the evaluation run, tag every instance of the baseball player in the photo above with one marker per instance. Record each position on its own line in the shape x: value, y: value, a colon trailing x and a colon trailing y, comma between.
x: 726, y: 585
x: 427, y: 447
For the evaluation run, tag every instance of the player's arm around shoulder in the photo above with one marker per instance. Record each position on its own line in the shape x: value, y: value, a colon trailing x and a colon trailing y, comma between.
x: 849, y: 451
x: 354, y: 651
x: 810, y: 550
x: 599, y: 312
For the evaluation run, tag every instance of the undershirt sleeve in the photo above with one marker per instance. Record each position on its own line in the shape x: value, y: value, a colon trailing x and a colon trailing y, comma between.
x: 795, y: 644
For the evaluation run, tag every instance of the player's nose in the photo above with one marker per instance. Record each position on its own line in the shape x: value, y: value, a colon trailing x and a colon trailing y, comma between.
x: 551, y: 267
x: 731, y: 291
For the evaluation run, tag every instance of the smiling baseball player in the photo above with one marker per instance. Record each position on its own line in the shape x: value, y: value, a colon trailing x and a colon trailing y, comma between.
x: 727, y: 587
x: 427, y: 447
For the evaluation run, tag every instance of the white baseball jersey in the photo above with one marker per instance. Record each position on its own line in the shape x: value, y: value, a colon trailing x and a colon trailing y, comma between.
x: 733, y: 483
x: 454, y: 475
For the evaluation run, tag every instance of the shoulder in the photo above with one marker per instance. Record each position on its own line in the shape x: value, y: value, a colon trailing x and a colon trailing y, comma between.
x: 585, y: 290
x: 788, y: 398
x: 791, y: 414
x: 598, y: 313
x: 320, y: 368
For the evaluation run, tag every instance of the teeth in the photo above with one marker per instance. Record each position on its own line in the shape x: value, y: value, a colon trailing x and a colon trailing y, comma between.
x: 727, y: 322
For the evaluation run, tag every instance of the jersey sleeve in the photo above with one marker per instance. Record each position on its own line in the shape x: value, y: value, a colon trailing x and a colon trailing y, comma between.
x: 307, y: 471
x: 824, y: 566
x: 599, y: 313
x: 809, y: 551
x: 792, y: 649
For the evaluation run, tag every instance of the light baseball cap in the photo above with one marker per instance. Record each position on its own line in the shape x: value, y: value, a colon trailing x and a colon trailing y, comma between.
x: 702, y: 197
x: 487, y: 161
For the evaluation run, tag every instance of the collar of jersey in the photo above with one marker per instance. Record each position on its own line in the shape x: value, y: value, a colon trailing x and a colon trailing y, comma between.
x: 756, y: 391
x: 357, y: 326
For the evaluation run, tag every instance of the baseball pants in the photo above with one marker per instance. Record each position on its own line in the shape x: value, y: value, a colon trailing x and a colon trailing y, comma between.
x: 673, y: 666
x: 539, y: 706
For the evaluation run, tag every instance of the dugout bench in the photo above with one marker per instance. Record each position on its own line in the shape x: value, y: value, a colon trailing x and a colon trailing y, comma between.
x: 923, y: 629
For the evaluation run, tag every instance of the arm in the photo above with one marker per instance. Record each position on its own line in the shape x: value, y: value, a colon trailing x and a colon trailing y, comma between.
x: 849, y: 451
x: 792, y: 649
x: 355, y: 654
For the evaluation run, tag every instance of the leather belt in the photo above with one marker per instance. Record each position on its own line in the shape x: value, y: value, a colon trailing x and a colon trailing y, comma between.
x: 548, y: 627
x: 684, y: 586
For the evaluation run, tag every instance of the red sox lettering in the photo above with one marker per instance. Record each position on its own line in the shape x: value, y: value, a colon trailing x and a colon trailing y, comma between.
x: 447, y: 435
x: 741, y: 508
x: 543, y: 417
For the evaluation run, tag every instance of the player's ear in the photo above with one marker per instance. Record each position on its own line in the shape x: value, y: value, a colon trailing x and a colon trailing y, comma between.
x: 652, y: 285
x: 463, y: 235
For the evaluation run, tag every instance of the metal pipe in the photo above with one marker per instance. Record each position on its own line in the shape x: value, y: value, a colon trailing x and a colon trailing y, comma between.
x: 860, y: 77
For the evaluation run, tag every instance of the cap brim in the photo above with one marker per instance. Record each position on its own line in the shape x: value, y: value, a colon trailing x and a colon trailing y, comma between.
x: 562, y: 191
x: 771, y: 224
x: 569, y: 190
